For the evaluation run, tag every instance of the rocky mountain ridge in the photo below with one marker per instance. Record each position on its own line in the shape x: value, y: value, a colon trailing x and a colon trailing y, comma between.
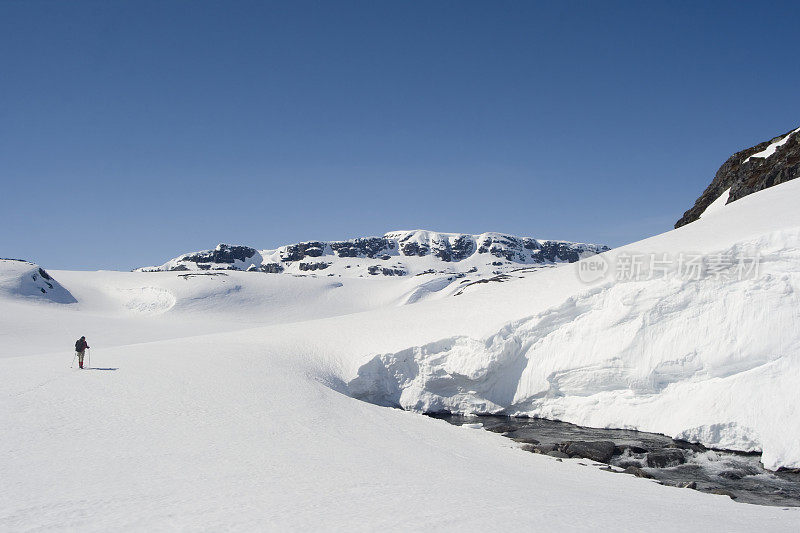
x: 397, y: 253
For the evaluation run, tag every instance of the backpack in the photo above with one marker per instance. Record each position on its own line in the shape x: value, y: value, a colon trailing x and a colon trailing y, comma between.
x: 79, y: 345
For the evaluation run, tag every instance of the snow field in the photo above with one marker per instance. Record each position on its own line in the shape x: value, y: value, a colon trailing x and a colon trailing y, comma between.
x: 230, y: 408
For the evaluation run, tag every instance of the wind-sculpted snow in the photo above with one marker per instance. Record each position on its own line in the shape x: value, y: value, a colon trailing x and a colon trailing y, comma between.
x: 657, y: 355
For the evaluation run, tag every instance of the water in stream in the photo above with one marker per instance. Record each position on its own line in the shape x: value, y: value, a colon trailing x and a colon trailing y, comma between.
x: 738, y: 474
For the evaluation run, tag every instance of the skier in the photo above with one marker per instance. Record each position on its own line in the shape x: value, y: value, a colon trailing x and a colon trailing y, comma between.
x: 80, y: 349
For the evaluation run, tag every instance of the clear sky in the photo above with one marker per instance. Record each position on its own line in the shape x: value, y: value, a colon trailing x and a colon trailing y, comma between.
x: 131, y: 132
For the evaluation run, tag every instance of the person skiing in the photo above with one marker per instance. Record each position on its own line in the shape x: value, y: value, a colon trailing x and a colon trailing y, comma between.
x: 80, y: 349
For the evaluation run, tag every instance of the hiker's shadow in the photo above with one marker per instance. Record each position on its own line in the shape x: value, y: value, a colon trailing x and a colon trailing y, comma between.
x: 106, y: 369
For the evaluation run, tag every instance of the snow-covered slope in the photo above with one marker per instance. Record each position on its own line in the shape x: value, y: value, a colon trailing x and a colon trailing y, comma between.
x: 397, y: 253
x: 222, y: 402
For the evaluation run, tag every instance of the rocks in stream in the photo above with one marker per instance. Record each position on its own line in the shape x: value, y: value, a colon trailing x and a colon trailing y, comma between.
x: 557, y: 454
x: 503, y: 428
x: 723, y: 492
x: 541, y: 448
x: 656, y: 458
x: 601, y: 451
x: 638, y: 472
x: 525, y: 440
x: 666, y: 458
x: 619, y: 450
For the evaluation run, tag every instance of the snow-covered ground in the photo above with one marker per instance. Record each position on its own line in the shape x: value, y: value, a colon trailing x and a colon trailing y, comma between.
x: 223, y: 401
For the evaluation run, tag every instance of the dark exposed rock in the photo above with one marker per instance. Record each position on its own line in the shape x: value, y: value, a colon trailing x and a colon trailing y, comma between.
x: 461, y: 248
x: 543, y: 448
x: 196, y: 274
x: 503, y: 428
x: 313, y: 266
x: 638, y: 472
x: 272, y: 268
x: 367, y: 247
x: 743, y: 176
x: 723, y: 492
x: 499, y: 278
x: 558, y: 251
x: 691, y: 446
x: 665, y: 458
x: 375, y: 270
x: 221, y: 254
x: 179, y: 268
x: 601, y: 450
x: 526, y: 440
x: 739, y: 472
x: 558, y: 454
x: 619, y: 450
x: 413, y: 248
x: 301, y: 250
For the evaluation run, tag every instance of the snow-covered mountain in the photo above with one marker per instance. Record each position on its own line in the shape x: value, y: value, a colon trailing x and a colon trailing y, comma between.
x: 751, y: 170
x: 397, y: 253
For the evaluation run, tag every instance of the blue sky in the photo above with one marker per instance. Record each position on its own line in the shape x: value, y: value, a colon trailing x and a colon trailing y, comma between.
x: 131, y: 132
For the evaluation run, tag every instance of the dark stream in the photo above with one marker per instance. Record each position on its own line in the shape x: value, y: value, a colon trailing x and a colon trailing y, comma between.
x: 669, y: 462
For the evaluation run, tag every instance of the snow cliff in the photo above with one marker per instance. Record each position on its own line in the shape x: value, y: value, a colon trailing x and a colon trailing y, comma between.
x: 711, y: 355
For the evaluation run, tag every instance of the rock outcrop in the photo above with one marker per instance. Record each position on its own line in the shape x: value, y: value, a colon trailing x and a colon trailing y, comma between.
x: 770, y: 163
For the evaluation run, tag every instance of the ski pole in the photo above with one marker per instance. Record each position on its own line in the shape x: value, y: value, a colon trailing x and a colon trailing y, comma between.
x: 72, y: 364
